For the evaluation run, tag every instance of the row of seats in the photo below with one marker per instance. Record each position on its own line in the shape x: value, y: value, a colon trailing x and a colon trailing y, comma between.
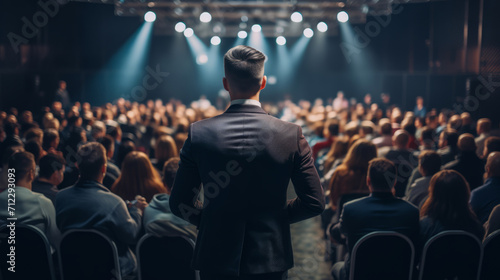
x: 89, y: 254
x: 450, y: 254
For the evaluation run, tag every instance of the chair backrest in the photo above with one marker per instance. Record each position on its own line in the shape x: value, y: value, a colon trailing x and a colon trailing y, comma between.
x: 490, y: 268
x: 31, y: 256
x: 453, y: 254
x: 382, y: 255
x: 165, y: 258
x: 88, y: 254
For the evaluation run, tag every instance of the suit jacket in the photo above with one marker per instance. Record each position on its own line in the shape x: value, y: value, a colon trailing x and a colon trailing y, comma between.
x: 485, y: 198
x: 380, y: 211
x: 245, y: 159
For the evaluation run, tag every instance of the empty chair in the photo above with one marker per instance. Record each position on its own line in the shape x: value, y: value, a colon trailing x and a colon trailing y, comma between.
x: 88, y: 254
x: 165, y: 258
x: 490, y: 269
x: 452, y: 254
x: 33, y: 258
x: 382, y: 255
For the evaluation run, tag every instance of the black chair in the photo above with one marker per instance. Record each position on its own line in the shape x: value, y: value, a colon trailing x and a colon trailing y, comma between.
x: 453, y: 254
x: 382, y: 255
x: 165, y: 258
x: 88, y: 254
x: 490, y: 269
x: 33, y: 257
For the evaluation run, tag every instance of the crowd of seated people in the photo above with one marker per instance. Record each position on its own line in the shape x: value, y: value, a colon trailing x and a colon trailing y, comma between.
x: 439, y: 161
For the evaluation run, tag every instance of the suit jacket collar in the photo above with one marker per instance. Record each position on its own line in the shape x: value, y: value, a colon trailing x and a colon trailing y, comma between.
x: 242, y: 108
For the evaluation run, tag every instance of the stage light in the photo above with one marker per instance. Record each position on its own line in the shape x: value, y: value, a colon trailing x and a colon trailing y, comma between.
x: 296, y: 17
x: 188, y: 32
x: 202, y: 59
x: 242, y: 34
x: 256, y: 28
x: 205, y: 17
x: 342, y: 16
x: 322, y: 27
x: 308, y: 32
x: 180, y: 27
x: 150, y: 16
x: 215, y: 40
x: 280, y: 40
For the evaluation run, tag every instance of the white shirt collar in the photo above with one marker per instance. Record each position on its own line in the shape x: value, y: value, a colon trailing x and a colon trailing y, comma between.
x: 246, y: 102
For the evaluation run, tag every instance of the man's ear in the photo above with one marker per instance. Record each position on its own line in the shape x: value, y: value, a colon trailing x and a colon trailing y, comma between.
x: 225, y: 83
x: 264, y: 82
x: 103, y: 169
x: 369, y: 183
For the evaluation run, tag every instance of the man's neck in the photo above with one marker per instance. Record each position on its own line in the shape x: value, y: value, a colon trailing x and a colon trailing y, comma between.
x: 45, y: 180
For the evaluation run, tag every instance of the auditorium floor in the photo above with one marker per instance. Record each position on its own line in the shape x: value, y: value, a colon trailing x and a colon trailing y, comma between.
x: 308, y: 250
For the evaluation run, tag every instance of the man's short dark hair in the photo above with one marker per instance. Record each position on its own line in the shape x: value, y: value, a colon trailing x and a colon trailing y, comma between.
x: 34, y: 148
x: 9, y: 127
x: 333, y: 127
x: 382, y: 174
x: 22, y: 163
x: 169, y: 170
x: 430, y: 162
x: 386, y: 129
x: 427, y: 134
x: 244, y: 68
x: 451, y: 136
x: 107, y: 142
x: 91, y: 158
x: 49, y: 164
x: 49, y: 135
x: 492, y: 144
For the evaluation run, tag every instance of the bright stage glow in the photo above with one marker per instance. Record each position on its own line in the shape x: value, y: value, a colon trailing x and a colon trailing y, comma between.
x: 188, y: 32
x: 322, y: 27
x: 280, y: 40
x: 242, y: 34
x: 215, y: 40
x: 308, y: 32
x: 256, y: 28
x: 342, y: 16
x: 205, y: 17
x: 180, y: 27
x: 202, y: 59
x: 296, y: 17
x: 150, y: 16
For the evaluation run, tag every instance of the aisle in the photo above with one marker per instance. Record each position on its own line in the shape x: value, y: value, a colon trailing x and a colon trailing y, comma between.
x: 308, y: 249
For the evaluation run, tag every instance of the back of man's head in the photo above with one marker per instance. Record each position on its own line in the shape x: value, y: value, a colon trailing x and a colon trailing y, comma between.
x: 483, y: 125
x: 492, y: 144
x: 49, y: 164
x: 382, y: 175
x: 22, y: 163
x: 401, y: 139
x: 169, y: 170
x: 49, y: 136
x: 493, y: 165
x: 386, y: 128
x: 451, y: 136
x: 244, y: 69
x: 91, y: 159
x: 430, y: 163
x: 466, y: 143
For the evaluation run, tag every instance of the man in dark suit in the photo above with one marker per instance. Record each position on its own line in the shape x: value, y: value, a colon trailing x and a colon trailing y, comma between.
x: 245, y: 159
x: 381, y: 211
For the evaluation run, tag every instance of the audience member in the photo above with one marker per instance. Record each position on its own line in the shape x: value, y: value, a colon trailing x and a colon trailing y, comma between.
x: 30, y: 208
x: 50, y: 175
x: 487, y: 196
x: 381, y: 211
x: 429, y: 164
x: 468, y: 163
x: 492, y: 144
x: 493, y: 223
x: 331, y: 131
x: 124, y: 149
x: 90, y: 205
x: 112, y: 171
x: 350, y: 176
x: 165, y: 149
x: 420, y: 110
x: 385, y: 140
x: 483, y: 132
x: 448, y: 149
x: 447, y: 207
x: 138, y: 177
x: 403, y: 158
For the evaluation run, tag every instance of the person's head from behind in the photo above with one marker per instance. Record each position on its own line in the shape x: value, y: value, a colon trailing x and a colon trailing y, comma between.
x: 400, y: 139
x: 138, y: 177
x: 466, y: 143
x: 331, y: 128
x: 244, y: 72
x: 359, y: 155
x: 98, y: 129
x: 427, y: 136
x: 52, y: 169
x: 448, y: 137
x: 24, y: 165
x: 493, y: 165
x: 109, y: 144
x: 50, y: 139
x: 448, y: 200
x: 382, y: 175
x: 92, y: 162
x: 34, y: 134
x: 483, y: 126
x: 165, y: 148
x: 124, y: 149
x: 429, y: 163
x: 385, y: 128
x: 169, y: 170
x: 492, y: 144
x: 35, y: 148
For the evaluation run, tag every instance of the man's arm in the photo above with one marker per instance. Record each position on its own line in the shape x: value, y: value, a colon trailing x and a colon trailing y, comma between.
x: 186, y: 187
x: 127, y: 222
x: 310, y: 199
